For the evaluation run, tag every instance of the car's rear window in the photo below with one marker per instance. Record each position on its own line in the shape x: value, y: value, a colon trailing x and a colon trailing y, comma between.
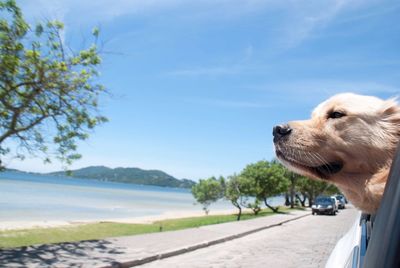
x: 324, y: 200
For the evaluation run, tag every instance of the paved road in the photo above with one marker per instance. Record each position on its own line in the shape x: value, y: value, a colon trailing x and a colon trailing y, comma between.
x: 100, y: 253
x: 306, y: 242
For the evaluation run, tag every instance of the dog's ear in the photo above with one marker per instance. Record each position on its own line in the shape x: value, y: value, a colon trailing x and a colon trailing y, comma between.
x: 391, y: 113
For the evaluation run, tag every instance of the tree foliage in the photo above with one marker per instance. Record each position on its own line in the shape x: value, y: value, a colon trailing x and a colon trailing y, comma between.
x: 208, y: 191
x: 258, y: 182
x: 266, y: 179
x: 234, y: 192
x: 293, y: 179
x: 48, y: 93
x: 311, y: 188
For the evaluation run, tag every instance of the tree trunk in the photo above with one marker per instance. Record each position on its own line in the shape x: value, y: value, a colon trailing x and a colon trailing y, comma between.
x: 292, y: 195
x: 287, y: 202
x: 256, y: 210
x: 270, y: 207
x: 239, y: 208
x: 239, y: 214
x: 292, y: 192
x: 305, y: 197
x: 302, y: 201
x: 206, y: 210
x: 310, y: 200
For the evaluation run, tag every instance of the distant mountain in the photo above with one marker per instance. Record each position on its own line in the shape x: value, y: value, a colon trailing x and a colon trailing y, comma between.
x: 127, y: 175
x: 11, y: 170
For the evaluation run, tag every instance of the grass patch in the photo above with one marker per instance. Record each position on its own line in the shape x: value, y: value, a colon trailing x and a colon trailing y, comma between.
x: 27, y: 237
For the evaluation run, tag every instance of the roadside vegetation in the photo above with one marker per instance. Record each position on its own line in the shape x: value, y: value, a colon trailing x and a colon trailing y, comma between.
x: 256, y: 183
x: 27, y: 237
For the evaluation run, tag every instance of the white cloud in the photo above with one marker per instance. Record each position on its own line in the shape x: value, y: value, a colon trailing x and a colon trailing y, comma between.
x: 334, y: 86
x: 225, y: 103
x: 210, y: 71
x: 305, y: 17
x: 106, y: 9
x: 240, y: 66
x: 370, y: 14
x: 313, y: 91
x: 299, y: 20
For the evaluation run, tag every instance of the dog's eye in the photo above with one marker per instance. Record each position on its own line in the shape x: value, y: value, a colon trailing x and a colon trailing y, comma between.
x: 335, y: 115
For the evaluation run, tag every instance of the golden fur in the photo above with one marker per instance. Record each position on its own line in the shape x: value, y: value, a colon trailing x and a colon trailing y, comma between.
x: 350, y: 141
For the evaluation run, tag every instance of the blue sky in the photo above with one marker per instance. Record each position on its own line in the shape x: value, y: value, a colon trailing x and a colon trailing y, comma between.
x: 198, y: 85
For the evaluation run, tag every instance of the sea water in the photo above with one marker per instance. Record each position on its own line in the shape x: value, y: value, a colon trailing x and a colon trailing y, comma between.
x: 32, y: 197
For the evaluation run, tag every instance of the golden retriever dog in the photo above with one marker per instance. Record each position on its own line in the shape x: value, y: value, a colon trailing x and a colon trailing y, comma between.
x: 350, y: 141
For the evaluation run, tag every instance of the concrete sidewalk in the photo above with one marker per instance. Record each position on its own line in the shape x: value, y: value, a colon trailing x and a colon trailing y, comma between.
x: 135, y: 250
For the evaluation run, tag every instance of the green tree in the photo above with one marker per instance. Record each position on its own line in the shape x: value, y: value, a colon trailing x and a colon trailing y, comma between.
x: 292, y: 179
x: 48, y: 93
x: 311, y: 188
x: 234, y: 192
x: 255, y: 206
x: 248, y: 189
x: 269, y: 180
x: 208, y: 191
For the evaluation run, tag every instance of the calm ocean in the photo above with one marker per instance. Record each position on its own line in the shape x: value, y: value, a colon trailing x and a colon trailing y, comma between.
x: 28, y: 197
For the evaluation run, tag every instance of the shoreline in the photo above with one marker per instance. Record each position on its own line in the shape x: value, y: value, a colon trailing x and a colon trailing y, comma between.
x: 21, y: 225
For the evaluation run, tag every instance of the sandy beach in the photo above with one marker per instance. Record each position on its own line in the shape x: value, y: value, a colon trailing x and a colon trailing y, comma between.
x: 19, y: 225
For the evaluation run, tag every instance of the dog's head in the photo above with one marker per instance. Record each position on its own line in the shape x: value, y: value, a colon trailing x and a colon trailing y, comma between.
x: 348, y: 135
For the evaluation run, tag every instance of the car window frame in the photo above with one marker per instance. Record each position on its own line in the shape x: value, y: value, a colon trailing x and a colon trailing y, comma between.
x: 383, y: 249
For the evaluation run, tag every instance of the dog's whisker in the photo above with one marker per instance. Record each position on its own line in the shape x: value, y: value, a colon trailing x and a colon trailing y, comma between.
x: 321, y: 158
x: 315, y: 158
x: 326, y: 164
x: 310, y: 157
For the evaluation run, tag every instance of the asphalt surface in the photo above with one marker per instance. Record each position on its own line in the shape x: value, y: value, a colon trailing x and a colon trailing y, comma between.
x: 136, y: 249
x: 296, y: 239
x: 306, y: 242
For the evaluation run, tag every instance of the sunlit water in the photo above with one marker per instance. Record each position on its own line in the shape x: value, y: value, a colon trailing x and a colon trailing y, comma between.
x: 26, y: 197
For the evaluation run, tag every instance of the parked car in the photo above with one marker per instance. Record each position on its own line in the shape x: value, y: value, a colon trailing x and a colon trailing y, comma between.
x: 337, y: 203
x: 342, y: 201
x: 324, y: 205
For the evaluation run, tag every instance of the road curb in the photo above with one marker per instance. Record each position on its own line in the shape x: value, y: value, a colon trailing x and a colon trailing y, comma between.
x: 194, y: 247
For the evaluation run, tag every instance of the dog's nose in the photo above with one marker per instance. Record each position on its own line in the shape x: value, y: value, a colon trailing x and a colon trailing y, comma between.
x: 280, y: 131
